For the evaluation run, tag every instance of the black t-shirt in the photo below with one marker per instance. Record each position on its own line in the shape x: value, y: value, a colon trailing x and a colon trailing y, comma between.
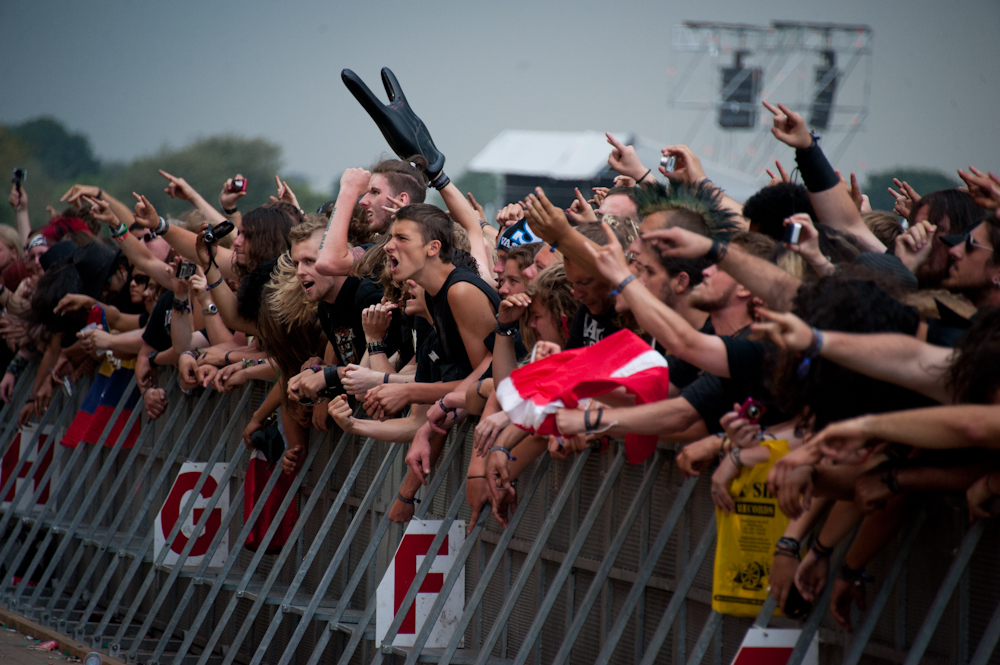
x: 587, y: 329
x: 341, y: 321
x: 712, y: 396
x: 449, y: 336
x: 157, y: 332
x: 683, y: 373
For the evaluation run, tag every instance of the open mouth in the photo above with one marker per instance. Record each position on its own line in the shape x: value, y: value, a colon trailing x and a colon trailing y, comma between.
x: 307, y: 286
x: 393, y: 264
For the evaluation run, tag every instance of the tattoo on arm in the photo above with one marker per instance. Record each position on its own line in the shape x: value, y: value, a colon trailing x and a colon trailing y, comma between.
x: 328, y: 225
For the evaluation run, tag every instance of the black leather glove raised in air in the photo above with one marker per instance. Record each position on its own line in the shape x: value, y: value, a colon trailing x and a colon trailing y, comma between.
x: 406, y: 134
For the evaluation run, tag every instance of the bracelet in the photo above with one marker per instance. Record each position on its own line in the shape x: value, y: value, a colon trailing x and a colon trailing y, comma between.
x: 440, y: 182
x: 474, y: 477
x: 162, y: 227
x: 190, y: 353
x: 718, y: 250
x: 181, y: 305
x: 814, y: 348
x: 385, y: 379
x: 621, y: 286
x: 230, y: 211
x: 374, y: 348
x: 226, y: 357
x: 819, y: 550
x: 99, y: 193
x: 480, y: 385
x: 505, y: 329
x: 252, y: 362
x: 505, y: 451
x: 446, y: 409
x: 788, y: 544
x: 214, y: 284
x: 405, y: 500
x: 648, y: 171
x: 119, y: 231
x: 586, y: 420
x: 316, y: 368
x: 734, y: 455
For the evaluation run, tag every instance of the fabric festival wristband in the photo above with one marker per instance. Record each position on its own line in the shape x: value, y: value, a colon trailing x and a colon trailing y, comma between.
x: 817, y: 173
x: 215, y: 283
x: 505, y: 451
x: 405, y: 500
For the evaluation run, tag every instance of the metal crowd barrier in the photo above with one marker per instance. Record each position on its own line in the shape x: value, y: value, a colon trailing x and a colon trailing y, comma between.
x: 602, y: 561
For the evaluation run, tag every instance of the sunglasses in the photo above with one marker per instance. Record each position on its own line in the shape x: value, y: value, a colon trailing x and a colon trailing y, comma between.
x: 141, y: 280
x: 970, y: 244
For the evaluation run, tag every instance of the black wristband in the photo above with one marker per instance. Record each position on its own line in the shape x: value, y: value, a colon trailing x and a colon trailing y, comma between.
x: 506, y: 329
x: 181, y: 305
x: 333, y: 385
x: 377, y: 347
x: 817, y: 173
x: 230, y: 211
x: 405, y: 500
x: 819, y: 550
x: 718, y: 250
x: 441, y: 181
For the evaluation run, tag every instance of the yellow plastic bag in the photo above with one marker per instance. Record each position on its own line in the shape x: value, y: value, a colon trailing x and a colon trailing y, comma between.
x: 744, y: 547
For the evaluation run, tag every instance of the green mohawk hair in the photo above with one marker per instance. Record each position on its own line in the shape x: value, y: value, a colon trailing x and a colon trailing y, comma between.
x: 700, y: 206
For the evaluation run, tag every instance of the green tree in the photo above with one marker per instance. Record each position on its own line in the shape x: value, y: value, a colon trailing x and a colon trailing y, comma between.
x: 61, y: 155
x: 924, y: 181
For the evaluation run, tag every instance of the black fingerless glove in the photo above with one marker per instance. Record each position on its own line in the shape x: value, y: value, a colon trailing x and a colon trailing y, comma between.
x: 817, y: 173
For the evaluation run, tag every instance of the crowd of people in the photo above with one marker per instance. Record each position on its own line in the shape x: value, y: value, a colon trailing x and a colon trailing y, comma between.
x: 865, y: 339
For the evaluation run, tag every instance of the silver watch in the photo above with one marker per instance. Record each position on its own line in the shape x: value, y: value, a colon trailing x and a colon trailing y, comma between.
x: 211, y: 309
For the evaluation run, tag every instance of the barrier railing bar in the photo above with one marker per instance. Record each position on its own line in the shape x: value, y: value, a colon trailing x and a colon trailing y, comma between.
x: 216, y: 587
x: 638, y: 587
x: 120, y: 477
x: 766, y: 612
x: 343, y: 548
x: 927, y: 628
x: 501, y: 547
x: 12, y: 409
x: 820, y: 608
x: 677, y: 600
x: 140, y: 519
x: 864, y: 632
x: 303, y: 566
x: 712, y: 624
x: 413, y: 654
x: 198, y: 578
x: 221, y: 488
x: 541, y: 467
x: 70, y: 534
x: 16, y: 472
x: 611, y: 553
x: 136, y: 486
x: 988, y: 642
x: 425, y: 567
x: 150, y: 578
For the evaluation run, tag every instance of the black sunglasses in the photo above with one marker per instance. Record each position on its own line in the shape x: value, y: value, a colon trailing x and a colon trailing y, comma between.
x: 141, y: 280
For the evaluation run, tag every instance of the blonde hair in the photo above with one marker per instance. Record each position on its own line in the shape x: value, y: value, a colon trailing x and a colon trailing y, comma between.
x: 10, y: 237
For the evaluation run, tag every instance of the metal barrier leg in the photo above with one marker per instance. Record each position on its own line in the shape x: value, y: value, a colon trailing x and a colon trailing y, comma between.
x: 220, y: 450
x: 936, y: 611
x: 70, y: 534
x: 676, y: 600
x: 11, y: 410
x: 607, y: 484
x: 166, y: 471
x: 331, y: 515
x: 224, y: 621
x: 331, y: 570
x: 989, y: 640
x: 576, y: 547
x: 864, y: 633
x: 638, y: 587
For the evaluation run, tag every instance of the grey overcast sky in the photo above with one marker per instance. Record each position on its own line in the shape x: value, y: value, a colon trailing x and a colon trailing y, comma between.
x: 134, y: 76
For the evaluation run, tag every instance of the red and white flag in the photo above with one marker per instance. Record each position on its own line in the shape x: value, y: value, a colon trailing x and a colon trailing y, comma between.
x: 533, y: 393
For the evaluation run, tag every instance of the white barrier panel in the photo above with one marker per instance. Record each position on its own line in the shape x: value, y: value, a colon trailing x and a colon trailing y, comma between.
x: 170, y: 512
x: 31, y: 468
x: 773, y: 646
x: 400, y: 574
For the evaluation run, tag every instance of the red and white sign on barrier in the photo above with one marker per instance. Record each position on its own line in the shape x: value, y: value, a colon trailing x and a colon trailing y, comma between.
x: 400, y: 574
x: 32, y: 470
x: 170, y: 512
x: 773, y: 646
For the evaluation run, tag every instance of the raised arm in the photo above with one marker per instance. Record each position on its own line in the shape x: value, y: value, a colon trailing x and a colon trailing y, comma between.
x: 461, y: 211
x: 892, y: 357
x: 670, y: 329
x: 831, y: 200
x: 136, y: 251
x: 19, y: 202
x: 335, y: 256
x: 762, y: 278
